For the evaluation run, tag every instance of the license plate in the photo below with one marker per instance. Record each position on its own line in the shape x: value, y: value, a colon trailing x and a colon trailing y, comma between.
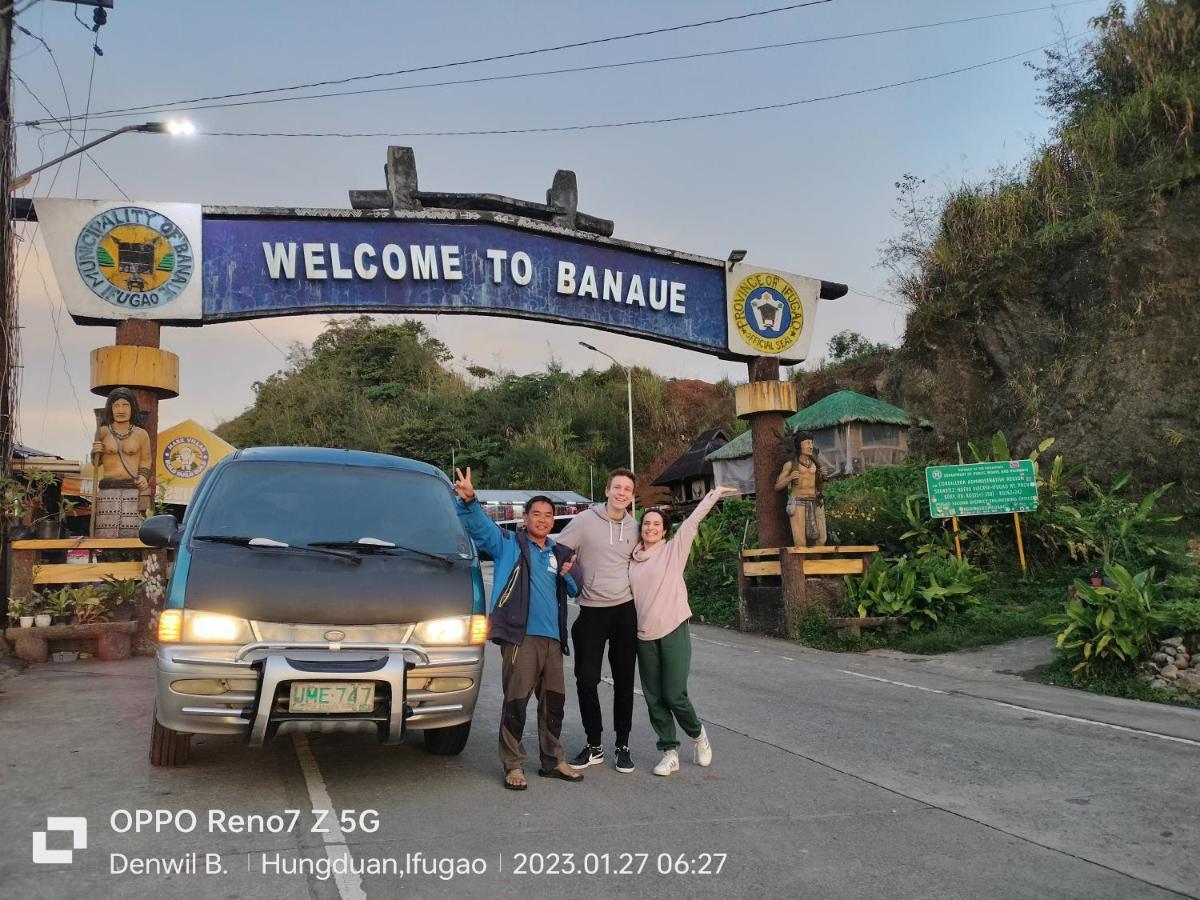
x: 332, y: 697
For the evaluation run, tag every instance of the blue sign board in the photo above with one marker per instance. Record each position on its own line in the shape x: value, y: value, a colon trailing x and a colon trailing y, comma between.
x: 255, y: 267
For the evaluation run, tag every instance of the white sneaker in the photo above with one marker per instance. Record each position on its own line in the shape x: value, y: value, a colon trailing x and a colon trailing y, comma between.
x: 702, y: 749
x: 668, y: 764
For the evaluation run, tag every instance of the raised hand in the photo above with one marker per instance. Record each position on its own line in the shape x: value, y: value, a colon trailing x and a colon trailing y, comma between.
x: 722, y: 491
x: 463, y: 486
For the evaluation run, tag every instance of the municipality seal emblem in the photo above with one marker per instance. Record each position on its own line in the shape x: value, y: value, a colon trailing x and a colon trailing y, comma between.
x: 185, y: 457
x: 768, y: 312
x: 134, y: 257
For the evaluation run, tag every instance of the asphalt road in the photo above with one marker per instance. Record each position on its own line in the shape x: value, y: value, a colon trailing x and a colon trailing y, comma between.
x: 834, y: 776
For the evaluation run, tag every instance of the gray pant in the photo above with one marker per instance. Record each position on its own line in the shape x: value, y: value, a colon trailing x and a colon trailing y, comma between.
x: 532, y: 667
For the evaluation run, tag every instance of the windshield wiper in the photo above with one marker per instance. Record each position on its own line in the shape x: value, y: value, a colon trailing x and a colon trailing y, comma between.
x: 270, y: 544
x: 375, y: 545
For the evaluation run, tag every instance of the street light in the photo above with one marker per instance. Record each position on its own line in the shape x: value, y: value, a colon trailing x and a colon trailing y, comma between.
x: 629, y: 385
x: 735, y: 257
x: 174, y: 126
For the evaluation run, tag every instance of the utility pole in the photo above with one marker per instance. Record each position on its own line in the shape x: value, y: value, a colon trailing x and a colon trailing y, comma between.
x: 9, y: 339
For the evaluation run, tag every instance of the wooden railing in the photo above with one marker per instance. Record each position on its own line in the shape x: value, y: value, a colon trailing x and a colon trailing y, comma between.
x: 29, y: 572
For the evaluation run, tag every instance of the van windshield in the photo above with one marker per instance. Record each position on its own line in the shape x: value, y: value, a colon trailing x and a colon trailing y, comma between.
x: 301, y: 503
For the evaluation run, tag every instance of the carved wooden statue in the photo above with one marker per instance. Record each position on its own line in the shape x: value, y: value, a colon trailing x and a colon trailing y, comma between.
x: 803, y: 477
x: 121, y: 453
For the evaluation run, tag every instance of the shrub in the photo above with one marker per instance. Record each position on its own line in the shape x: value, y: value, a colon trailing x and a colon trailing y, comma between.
x: 1106, y: 624
x: 927, y: 589
x: 868, y: 508
x: 711, y: 574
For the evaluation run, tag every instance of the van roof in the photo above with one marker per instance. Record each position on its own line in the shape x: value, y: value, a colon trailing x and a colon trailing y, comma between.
x: 331, y: 456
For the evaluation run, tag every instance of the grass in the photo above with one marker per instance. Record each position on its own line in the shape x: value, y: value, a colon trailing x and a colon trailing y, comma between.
x: 1011, y: 608
x: 1115, y: 683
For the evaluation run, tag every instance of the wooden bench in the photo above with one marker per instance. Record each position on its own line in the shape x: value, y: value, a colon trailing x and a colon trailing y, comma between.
x: 112, y: 639
x: 778, y: 585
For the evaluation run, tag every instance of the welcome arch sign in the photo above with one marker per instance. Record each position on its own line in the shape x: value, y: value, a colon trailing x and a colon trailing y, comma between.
x: 187, y: 264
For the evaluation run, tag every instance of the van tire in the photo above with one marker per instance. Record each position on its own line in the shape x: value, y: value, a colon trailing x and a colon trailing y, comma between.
x: 447, y: 741
x: 168, y: 747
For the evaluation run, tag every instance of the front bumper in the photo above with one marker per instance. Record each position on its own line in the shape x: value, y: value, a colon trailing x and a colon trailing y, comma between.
x: 260, y: 671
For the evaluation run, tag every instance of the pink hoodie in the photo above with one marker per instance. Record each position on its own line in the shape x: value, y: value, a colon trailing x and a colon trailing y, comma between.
x: 656, y: 576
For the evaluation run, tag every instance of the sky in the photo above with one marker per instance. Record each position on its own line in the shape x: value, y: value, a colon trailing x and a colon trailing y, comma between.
x: 808, y: 189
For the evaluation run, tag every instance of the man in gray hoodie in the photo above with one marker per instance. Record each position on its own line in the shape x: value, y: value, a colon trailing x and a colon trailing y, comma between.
x: 603, y: 538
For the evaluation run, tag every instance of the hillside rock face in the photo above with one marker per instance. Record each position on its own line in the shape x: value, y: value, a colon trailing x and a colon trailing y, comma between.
x: 1095, y: 343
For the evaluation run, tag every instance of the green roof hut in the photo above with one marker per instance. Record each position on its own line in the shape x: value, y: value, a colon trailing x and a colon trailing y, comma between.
x: 850, y: 430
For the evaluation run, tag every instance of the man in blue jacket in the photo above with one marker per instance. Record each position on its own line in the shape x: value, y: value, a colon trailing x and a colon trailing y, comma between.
x: 528, y: 618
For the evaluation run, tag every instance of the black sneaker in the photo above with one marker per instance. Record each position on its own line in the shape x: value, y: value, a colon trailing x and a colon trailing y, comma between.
x: 624, y: 760
x: 588, y: 756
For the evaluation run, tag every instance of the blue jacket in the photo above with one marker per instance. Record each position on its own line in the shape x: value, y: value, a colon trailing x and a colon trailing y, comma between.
x: 511, y: 565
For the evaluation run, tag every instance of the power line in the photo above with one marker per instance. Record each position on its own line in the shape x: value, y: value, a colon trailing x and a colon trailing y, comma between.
x: 268, y: 340
x: 87, y: 109
x: 69, y: 135
x: 895, y: 303
x: 633, y: 122
x: 577, y: 69
x: 469, y: 62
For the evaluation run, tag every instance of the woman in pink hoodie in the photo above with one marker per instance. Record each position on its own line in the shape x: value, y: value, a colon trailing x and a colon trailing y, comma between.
x: 664, y: 645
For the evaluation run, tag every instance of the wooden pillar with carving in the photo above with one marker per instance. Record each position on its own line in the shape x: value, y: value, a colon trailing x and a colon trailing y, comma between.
x: 138, y: 362
x: 766, y: 402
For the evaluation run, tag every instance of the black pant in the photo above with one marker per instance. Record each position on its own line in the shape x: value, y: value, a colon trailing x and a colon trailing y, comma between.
x: 596, y: 625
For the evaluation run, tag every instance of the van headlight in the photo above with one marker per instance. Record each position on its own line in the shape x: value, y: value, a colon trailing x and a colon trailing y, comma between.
x: 458, y: 630
x: 197, y: 626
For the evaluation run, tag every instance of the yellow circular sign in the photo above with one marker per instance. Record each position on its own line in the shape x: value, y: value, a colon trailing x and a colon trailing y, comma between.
x: 768, y: 312
x: 135, y: 258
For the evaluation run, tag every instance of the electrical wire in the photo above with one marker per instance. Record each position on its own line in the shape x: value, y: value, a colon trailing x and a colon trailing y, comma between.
x: 482, y: 79
x: 473, y: 61
x: 633, y: 122
x: 268, y: 340
x: 69, y: 135
x: 87, y: 109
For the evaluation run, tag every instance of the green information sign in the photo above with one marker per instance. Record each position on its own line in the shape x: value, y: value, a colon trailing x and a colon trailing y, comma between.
x: 981, y: 489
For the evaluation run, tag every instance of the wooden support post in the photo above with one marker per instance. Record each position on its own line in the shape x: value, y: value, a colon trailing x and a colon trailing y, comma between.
x: 149, y: 601
x: 21, y: 578
x: 1020, y: 543
x: 766, y: 429
x: 957, y: 543
x: 795, y: 590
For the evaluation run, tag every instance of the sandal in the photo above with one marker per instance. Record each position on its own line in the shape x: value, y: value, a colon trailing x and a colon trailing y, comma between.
x: 515, y: 785
x: 559, y: 773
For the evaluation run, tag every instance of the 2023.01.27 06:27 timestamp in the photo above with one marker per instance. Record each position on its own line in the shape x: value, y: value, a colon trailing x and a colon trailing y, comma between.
x: 618, y: 863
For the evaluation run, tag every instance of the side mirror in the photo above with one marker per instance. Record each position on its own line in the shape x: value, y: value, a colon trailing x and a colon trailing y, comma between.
x: 160, y: 531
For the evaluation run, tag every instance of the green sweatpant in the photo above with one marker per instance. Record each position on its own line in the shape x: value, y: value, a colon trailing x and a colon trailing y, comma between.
x: 663, y: 665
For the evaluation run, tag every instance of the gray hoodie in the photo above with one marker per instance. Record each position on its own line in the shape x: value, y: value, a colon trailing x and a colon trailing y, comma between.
x: 604, y: 548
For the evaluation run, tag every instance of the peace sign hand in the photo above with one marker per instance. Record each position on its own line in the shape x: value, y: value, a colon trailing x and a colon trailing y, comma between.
x: 463, y: 486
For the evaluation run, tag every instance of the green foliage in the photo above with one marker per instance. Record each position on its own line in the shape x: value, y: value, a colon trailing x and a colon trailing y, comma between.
x: 927, y: 588
x: 388, y: 388
x: 58, y: 603
x: 117, y: 592
x: 851, y: 348
x: 1104, y: 624
x: 711, y: 573
x: 1122, y: 529
x: 1182, y: 616
x: 869, y: 508
x: 18, y: 607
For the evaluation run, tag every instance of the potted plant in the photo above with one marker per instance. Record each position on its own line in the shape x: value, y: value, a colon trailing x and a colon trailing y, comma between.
x: 20, y: 611
x: 90, y: 605
x: 41, y: 619
x: 119, y: 595
x: 21, y: 499
x: 59, y: 604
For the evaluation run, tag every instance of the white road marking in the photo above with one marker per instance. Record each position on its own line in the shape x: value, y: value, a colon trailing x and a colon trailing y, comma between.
x: 349, y: 885
x: 1042, y: 712
x: 1035, y: 711
x: 788, y: 658
x: 718, y: 643
x: 889, y: 681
